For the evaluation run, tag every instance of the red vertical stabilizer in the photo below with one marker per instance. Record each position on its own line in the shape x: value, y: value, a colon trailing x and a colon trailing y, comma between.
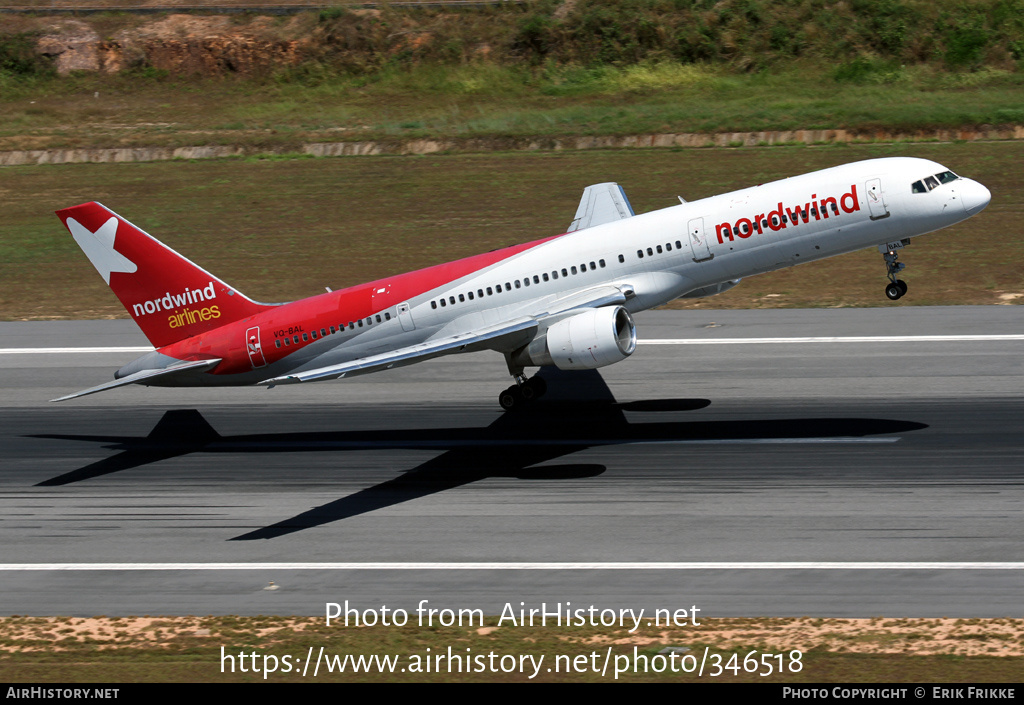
x: 167, y: 295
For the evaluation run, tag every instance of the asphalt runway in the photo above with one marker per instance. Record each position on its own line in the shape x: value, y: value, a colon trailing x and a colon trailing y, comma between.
x: 826, y: 477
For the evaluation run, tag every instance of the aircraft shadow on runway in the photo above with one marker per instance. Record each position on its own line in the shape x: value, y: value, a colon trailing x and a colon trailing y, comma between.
x: 579, y: 412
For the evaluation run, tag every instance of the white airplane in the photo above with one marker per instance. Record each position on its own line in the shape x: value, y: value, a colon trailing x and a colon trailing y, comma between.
x: 565, y: 300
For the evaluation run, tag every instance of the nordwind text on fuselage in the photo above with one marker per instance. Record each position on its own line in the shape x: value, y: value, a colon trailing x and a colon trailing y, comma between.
x: 783, y: 216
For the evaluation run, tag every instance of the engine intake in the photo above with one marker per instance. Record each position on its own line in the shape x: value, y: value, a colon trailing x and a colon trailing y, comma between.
x: 588, y: 340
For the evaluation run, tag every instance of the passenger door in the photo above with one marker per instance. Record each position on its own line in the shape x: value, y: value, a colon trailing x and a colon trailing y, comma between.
x: 254, y: 347
x: 876, y: 199
x: 699, y: 244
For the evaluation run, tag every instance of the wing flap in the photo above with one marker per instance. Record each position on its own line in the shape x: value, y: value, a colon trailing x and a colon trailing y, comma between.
x: 194, y: 366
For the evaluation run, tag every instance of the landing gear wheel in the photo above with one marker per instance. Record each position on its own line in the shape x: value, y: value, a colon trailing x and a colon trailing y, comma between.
x: 537, y: 386
x: 902, y: 285
x: 511, y: 398
x: 522, y: 393
x: 894, y: 291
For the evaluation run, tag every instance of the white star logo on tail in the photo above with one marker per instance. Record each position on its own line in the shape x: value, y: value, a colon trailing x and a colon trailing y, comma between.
x: 99, y: 248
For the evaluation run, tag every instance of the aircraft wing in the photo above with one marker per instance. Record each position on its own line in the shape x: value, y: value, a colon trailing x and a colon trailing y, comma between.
x: 493, y: 336
x: 195, y: 366
x: 601, y: 203
x: 596, y: 297
x: 506, y: 335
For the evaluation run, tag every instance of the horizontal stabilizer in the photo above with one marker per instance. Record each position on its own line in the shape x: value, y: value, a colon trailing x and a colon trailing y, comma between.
x: 194, y: 366
x: 601, y: 203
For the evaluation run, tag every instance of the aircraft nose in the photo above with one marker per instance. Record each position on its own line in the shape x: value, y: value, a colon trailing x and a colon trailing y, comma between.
x: 974, y: 196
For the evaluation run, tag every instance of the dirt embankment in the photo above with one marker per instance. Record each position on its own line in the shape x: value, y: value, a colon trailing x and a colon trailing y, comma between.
x: 864, y: 41
x: 178, y: 44
x: 354, y: 40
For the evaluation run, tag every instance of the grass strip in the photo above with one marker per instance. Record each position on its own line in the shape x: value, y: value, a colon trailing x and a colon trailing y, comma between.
x: 189, y: 649
x: 489, y: 101
x: 283, y: 229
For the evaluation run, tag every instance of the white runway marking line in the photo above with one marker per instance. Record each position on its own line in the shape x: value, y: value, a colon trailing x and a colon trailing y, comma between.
x: 519, y: 442
x: 641, y: 341
x: 72, y: 351
x: 836, y: 339
x: 513, y: 566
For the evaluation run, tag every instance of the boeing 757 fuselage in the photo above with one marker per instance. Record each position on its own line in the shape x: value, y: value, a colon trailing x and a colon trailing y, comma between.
x: 565, y: 300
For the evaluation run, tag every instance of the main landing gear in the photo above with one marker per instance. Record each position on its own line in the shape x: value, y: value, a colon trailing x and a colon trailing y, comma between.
x: 522, y: 392
x: 896, y: 288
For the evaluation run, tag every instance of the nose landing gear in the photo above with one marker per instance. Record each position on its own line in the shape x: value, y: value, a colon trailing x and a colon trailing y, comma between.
x: 896, y: 288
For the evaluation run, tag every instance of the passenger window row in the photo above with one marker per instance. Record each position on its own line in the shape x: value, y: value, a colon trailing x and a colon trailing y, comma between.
x: 461, y: 298
x: 656, y: 249
x: 519, y: 283
x: 352, y: 325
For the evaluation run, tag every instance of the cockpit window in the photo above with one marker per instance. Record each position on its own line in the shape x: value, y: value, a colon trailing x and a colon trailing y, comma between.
x: 927, y: 184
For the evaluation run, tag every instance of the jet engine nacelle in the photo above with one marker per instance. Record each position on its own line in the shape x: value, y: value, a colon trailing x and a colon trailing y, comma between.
x: 594, y: 338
